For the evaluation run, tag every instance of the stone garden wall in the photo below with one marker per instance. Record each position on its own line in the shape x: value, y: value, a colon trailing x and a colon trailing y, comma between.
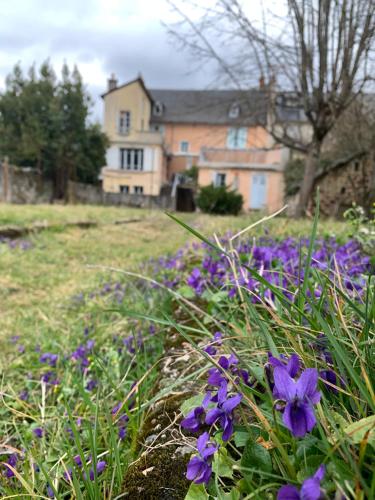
x: 24, y: 185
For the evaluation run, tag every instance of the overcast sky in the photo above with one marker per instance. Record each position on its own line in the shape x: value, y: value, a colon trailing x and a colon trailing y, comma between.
x: 100, y: 36
x: 125, y: 37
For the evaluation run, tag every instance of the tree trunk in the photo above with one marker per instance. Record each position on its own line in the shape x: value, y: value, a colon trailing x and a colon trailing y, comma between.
x: 370, y: 205
x: 311, y: 167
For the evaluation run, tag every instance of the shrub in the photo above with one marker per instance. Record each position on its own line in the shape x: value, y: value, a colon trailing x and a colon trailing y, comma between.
x: 192, y: 174
x: 219, y: 200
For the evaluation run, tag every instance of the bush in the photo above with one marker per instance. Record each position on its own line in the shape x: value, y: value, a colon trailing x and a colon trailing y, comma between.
x: 219, y: 200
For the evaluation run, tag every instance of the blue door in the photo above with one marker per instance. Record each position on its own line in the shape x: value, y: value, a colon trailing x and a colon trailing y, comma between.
x: 258, y: 194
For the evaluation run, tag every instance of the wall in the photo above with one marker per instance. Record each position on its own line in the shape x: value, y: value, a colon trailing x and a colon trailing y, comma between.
x: 242, y: 179
x: 150, y: 181
x: 25, y: 186
x: 94, y: 195
x: 131, y: 98
x: 200, y: 136
x: 211, y: 136
x: 341, y: 187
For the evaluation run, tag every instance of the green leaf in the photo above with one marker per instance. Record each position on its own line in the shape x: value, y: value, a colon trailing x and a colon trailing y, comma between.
x: 196, y: 492
x: 339, y: 419
x: 219, y: 297
x: 306, y: 446
x: 186, y: 291
x: 234, y: 494
x: 191, y: 403
x: 363, y: 429
x: 222, y: 464
x: 241, y: 437
x: 256, y: 457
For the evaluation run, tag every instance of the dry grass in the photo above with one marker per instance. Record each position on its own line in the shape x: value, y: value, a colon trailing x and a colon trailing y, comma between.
x: 36, y: 283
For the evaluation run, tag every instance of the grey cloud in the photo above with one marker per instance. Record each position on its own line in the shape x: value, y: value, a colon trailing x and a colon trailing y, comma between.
x: 68, y: 30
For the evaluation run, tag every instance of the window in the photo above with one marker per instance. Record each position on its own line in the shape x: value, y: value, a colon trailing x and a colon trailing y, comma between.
x: 237, y: 137
x: 124, y: 122
x: 184, y: 146
x: 124, y: 189
x: 219, y: 180
x: 138, y: 189
x: 155, y: 127
x: 234, y: 111
x: 158, y: 108
x: 131, y: 159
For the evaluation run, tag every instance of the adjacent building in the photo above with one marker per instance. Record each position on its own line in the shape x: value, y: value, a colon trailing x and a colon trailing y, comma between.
x: 157, y: 134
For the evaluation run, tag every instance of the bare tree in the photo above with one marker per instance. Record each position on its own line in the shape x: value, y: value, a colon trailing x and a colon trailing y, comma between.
x: 317, y: 51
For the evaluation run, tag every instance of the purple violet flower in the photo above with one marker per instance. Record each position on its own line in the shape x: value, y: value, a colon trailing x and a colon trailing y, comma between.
x: 310, y: 489
x: 195, y: 419
x: 38, y: 432
x: 68, y: 475
x: 299, y: 396
x: 216, y: 376
x: 223, y: 411
x: 292, y: 364
x: 77, y: 460
x: 90, y: 386
x: 210, y: 349
x: 50, y: 492
x: 122, y: 432
x: 100, y: 466
x: 199, y: 469
x: 49, y: 358
x: 24, y: 395
x: 12, y: 461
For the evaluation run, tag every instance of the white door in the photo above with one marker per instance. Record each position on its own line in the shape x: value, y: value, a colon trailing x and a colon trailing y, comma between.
x: 258, y: 191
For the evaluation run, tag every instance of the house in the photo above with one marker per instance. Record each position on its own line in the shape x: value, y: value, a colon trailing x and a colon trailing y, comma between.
x: 156, y: 134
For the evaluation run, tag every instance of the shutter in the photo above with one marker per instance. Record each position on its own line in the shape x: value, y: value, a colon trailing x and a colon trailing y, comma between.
x: 148, y: 159
x: 113, y: 157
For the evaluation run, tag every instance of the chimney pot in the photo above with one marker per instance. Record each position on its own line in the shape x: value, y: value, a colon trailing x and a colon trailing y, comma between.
x: 112, y: 82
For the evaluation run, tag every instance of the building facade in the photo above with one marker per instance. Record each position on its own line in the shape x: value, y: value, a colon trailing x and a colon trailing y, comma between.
x: 156, y: 134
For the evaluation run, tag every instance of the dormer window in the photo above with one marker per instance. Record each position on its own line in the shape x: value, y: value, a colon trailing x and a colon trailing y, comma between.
x: 158, y: 108
x: 234, y: 110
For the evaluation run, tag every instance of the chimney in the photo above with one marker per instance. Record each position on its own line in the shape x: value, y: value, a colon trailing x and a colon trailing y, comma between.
x: 112, y: 82
x: 261, y: 82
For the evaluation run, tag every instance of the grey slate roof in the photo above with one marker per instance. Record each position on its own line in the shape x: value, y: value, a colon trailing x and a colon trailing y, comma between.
x: 210, y: 106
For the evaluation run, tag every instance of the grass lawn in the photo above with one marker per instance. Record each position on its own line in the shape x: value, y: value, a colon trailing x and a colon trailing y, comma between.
x: 87, y: 355
x: 36, y: 283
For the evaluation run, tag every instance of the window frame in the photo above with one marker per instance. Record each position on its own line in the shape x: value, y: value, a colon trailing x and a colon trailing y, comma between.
x: 124, y: 122
x: 183, y: 150
x: 221, y: 175
x: 132, y: 159
x: 158, y: 108
x: 237, y: 131
x: 138, y: 190
x: 124, y: 191
x: 234, y: 110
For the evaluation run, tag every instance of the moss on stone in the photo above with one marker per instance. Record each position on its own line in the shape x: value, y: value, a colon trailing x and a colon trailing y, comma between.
x: 157, y: 475
x: 162, y: 415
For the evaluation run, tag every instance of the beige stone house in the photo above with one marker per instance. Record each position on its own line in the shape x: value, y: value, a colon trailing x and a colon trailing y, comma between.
x: 156, y: 134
